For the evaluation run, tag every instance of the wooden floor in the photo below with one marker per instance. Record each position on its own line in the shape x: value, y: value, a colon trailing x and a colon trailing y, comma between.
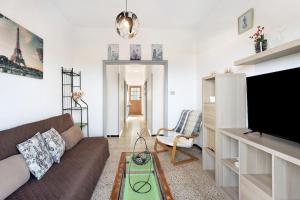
x: 133, y: 126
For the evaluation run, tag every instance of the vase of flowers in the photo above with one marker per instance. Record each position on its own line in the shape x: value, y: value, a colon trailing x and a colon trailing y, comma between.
x: 260, y: 43
x: 76, y: 95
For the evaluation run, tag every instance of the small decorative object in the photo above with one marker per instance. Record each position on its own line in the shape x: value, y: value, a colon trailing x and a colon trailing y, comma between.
x: 141, y: 158
x: 212, y: 99
x: 157, y: 52
x: 245, y: 21
x: 113, y: 52
x: 21, y: 51
x: 127, y: 24
x: 260, y: 43
x: 77, y: 95
x: 135, y: 52
x: 228, y: 70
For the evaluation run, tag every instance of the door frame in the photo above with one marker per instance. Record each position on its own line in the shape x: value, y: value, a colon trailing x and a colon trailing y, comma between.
x: 147, y: 63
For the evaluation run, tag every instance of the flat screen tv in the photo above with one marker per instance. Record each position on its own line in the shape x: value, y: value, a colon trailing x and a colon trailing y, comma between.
x: 274, y: 104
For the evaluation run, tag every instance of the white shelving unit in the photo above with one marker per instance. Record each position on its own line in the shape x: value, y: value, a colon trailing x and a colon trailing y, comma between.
x: 269, y: 167
x: 228, y: 110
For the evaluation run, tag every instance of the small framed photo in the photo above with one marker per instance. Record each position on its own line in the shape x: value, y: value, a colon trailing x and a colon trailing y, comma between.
x: 245, y: 21
x: 157, y: 52
x: 135, y: 52
x: 113, y: 52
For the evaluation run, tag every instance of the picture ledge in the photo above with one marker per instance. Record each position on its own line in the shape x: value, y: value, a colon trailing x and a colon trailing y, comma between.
x: 135, y: 62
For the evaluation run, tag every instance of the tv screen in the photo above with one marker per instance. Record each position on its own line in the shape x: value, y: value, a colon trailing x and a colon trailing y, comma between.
x: 274, y: 104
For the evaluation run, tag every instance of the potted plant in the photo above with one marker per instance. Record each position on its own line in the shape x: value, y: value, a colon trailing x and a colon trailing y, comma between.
x: 260, y: 43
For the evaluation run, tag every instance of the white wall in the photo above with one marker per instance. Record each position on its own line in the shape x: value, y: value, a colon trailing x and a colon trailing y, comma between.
x: 122, y: 100
x: 179, y: 46
x: 219, y: 44
x: 157, y: 98
x: 24, y: 99
x: 149, y: 114
x: 112, y: 99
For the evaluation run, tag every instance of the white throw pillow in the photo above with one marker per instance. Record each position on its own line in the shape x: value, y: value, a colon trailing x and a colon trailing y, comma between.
x: 54, y: 143
x: 36, y: 155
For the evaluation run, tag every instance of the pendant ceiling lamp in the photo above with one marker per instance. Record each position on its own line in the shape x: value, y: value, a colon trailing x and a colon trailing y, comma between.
x: 127, y: 24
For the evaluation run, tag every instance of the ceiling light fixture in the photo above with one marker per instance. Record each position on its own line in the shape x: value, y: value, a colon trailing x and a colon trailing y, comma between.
x: 127, y: 24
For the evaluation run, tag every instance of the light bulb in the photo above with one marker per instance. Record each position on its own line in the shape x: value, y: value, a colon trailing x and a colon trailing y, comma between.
x: 125, y: 23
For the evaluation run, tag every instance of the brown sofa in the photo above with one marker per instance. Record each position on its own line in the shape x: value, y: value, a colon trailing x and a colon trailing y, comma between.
x: 78, y: 172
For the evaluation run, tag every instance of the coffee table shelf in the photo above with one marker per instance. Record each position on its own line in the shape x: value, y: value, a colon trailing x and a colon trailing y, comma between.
x: 159, y: 187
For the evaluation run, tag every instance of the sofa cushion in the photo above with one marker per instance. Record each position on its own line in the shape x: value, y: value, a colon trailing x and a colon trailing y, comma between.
x: 72, y: 136
x: 74, y: 178
x: 169, y: 139
x: 54, y: 143
x: 11, y: 137
x: 14, y: 173
x: 36, y: 155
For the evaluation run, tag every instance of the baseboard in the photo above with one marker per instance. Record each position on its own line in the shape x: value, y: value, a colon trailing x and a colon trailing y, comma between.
x: 112, y: 136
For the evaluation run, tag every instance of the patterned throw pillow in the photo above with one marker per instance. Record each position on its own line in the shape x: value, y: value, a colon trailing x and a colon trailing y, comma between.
x: 54, y: 143
x: 36, y: 155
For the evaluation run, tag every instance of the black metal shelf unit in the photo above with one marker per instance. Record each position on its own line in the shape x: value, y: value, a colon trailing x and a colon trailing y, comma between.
x: 71, y: 82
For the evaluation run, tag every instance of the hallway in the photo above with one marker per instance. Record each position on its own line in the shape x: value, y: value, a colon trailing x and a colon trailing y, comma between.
x: 134, y: 124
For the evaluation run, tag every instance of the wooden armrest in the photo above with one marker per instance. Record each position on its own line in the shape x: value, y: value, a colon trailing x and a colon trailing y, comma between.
x: 163, y: 129
x: 192, y: 136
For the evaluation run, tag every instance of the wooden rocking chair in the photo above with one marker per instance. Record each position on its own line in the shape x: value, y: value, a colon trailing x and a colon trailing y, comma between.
x: 170, y: 142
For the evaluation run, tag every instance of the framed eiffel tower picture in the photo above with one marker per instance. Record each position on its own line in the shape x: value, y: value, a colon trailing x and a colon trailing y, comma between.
x: 21, y: 51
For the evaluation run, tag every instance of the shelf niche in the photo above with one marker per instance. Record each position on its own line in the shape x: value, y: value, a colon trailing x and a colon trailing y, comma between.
x: 256, y: 173
x: 286, y: 180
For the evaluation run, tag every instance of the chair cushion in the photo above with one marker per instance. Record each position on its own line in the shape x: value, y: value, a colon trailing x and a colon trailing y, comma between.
x: 14, y: 173
x: 54, y: 143
x: 36, y: 155
x: 182, y: 121
x: 168, y: 140
x: 193, y: 123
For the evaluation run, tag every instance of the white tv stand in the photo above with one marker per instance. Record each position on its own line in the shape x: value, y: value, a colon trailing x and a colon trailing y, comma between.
x: 269, y: 167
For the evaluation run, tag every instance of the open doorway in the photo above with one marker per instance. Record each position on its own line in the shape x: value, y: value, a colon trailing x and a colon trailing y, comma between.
x: 135, y: 94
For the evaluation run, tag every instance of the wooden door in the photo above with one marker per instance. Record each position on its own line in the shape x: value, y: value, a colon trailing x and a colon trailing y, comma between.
x: 135, y: 99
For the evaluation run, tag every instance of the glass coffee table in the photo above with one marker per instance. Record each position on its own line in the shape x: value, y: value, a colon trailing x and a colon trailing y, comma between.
x: 152, y: 171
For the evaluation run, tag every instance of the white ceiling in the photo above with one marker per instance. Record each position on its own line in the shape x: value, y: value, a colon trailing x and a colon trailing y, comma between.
x: 186, y: 14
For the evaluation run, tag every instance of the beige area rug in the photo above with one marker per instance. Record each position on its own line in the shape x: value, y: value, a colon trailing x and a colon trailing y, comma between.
x: 187, y: 182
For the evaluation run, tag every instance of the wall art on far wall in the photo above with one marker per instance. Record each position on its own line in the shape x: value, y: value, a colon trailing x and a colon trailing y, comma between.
x: 113, y: 52
x: 157, y: 52
x: 245, y: 21
x: 21, y: 51
x: 135, y: 52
